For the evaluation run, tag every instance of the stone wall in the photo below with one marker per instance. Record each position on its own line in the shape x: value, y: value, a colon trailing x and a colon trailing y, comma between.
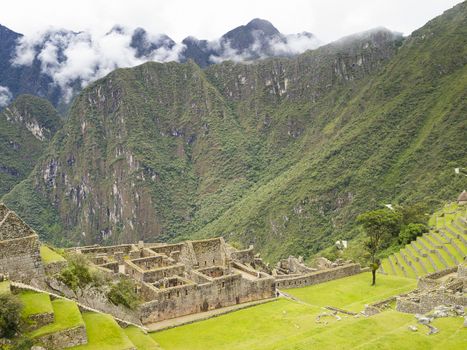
x: 209, y: 252
x: 193, y: 298
x: 19, y: 249
x: 55, y: 267
x: 13, y: 227
x: 20, y: 259
x: 319, y: 276
x: 64, y: 339
x: 245, y: 256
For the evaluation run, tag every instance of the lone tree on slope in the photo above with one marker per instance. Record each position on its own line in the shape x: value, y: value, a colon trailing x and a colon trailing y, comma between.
x: 379, y: 225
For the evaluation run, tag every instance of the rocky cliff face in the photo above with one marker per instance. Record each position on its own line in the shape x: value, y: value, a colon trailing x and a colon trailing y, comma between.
x: 148, y: 152
x: 26, y: 127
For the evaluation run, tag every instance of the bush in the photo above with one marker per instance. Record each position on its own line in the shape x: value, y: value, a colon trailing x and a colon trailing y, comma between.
x: 411, y: 232
x: 10, y: 315
x: 77, y: 274
x: 123, y: 293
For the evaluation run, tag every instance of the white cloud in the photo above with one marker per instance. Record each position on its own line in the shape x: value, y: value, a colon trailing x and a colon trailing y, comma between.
x: 5, y: 96
x: 69, y: 57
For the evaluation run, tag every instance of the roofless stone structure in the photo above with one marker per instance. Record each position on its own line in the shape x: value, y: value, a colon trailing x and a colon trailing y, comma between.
x: 19, y: 249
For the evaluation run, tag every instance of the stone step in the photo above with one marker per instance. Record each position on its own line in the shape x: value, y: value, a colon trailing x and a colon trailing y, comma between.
x: 98, y: 339
x: 450, y: 255
x: 452, y: 241
x: 416, y: 261
x: 456, y: 224
x: 424, y: 253
x: 65, y: 331
x: 435, y: 238
x: 397, y: 268
x: 408, y: 262
x: 441, y: 258
x: 455, y: 234
x: 393, y: 270
x: 37, y: 309
x: 398, y: 263
x: 140, y: 339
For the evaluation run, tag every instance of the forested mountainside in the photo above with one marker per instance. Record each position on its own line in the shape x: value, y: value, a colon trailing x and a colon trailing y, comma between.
x: 281, y: 153
x: 26, y: 127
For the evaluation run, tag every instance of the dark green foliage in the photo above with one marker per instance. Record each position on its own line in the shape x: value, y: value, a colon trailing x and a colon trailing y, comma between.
x: 123, y: 293
x: 410, y: 233
x: 78, y: 274
x: 380, y: 227
x: 10, y: 315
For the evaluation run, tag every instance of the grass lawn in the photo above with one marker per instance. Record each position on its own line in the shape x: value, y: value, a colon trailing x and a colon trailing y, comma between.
x: 35, y: 303
x: 285, y: 325
x: 353, y: 292
x: 140, y: 340
x: 49, y: 256
x: 67, y: 316
x: 5, y: 287
x: 104, y: 333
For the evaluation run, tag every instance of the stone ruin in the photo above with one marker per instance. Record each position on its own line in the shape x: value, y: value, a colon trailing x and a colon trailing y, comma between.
x: 196, y: 276
x: 440, y: 294
x: 443, y: 288
x: 172, y: 279
x: 19, y: 249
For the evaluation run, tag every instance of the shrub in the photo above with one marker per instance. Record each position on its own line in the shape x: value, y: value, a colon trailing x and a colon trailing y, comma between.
x: 10, y: 315
x: 411, y: 232
x: 78, y: 274
x: 123, y: 293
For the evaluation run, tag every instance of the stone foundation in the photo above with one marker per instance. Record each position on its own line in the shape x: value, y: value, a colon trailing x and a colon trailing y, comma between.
x: 64, y: 339
x: 318, y: 277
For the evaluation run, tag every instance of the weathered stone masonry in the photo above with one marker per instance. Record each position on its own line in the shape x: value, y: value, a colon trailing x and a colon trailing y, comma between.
x: 19, y: 249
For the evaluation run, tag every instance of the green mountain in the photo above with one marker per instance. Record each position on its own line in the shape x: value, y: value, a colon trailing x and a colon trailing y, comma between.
x: 26, y: 127
x: 281, y: 153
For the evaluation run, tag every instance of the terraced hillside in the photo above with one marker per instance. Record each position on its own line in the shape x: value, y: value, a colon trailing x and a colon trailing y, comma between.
x: 59, y: 322
x: 445, y: 245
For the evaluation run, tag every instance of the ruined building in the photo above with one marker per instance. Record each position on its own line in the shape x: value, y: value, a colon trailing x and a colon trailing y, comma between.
x: 19, y: 249
x: 172, y: 279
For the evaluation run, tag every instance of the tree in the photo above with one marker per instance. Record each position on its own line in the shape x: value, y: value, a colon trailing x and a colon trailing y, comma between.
x: 380, y: 226
x: 10, y: 315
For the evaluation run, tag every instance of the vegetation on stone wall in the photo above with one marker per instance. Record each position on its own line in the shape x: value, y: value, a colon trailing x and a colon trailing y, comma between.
x: 123, y: 292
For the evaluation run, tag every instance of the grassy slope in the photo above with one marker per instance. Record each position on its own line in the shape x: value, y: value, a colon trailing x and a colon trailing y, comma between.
x: 35, y: 303
x: 49, y: 256
x: 67, y: 316
x: 140, y: 340
x: 285, y: 324
x: 352, y: 293
x: 103, y: 333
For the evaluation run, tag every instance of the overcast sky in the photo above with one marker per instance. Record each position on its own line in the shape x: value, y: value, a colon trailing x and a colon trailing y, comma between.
x: 209, y: 19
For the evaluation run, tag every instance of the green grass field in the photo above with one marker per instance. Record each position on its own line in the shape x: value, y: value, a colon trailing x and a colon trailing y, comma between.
x: 285, y: 324
x: 352, y: 293
x: 35, y: 303
x: 140, y: 340
x: 103, y: 333
x: 67, y: 316
x: 49, y: 256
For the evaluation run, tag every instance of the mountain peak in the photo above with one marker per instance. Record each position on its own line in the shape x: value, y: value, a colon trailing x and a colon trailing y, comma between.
x: 262, y: 25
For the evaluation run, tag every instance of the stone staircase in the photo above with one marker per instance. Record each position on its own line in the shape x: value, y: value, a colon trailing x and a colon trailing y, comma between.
x: 443, y: 247
x: 56, y: 322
